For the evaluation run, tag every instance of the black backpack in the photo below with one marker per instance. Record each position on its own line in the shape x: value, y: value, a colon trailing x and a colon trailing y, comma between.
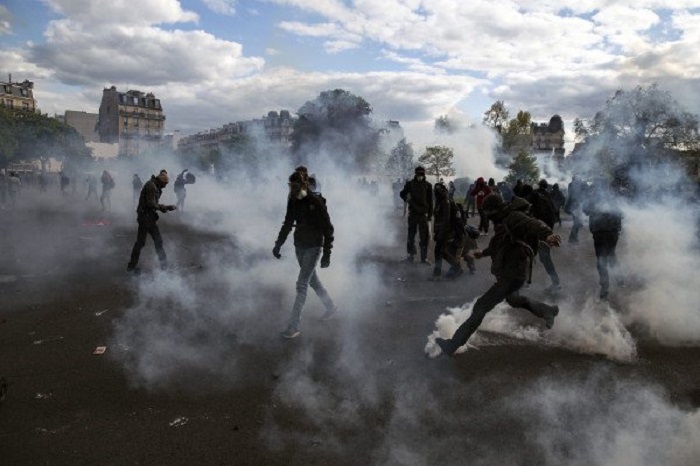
x: 543, y: 208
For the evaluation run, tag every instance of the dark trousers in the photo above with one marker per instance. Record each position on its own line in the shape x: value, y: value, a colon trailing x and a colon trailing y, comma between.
x: 504, y: 288
x: 578, y: 223
x: 147, y: 228
x: 483, y: 222
x: 545, y: 254
x: 605, y: 243
x: 418, y: 224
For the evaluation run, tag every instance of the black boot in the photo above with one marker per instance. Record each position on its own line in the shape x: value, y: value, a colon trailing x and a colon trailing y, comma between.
x: 446, y: 346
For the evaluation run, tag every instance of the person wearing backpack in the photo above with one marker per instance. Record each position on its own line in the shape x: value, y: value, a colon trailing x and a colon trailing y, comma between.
x: 542, y: 208
x: 605, y: 223
x: 511, y: 249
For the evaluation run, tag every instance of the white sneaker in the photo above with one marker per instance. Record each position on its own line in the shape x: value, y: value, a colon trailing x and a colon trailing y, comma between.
x: 290, y: 333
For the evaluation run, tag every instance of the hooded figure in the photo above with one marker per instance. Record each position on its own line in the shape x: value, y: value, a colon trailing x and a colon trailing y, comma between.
x: 313, y: 240
x: 542, y: 208
x: 147, y: 218
x: 480, y: 191
x: 511, y: 251
x: 418, y: 194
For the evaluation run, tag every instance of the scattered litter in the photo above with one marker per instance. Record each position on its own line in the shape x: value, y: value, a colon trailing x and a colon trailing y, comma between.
x: 99, y: 313
x: 124, y: 347
x: 179, y: 422
x: 400, y: 279
x: 96, y: 223
x: 43, y: 396
x: 100, y: 350
x: 47, y: 340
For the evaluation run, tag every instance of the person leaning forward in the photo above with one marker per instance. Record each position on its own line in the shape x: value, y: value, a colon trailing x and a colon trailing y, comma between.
x: 147, y: 217
x: 511, y: 251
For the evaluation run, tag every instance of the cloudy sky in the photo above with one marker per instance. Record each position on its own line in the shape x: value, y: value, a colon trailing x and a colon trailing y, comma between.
x: 215, y: 61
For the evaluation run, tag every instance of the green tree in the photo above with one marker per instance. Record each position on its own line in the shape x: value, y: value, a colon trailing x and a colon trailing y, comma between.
x: 438, y: 161
x: 523, y: 167
x: 336, y: 123
x: 445, y: 125
x: 400, y: 162
x: 31, y: 136
x: 496, y: 116
x: 516, y: 134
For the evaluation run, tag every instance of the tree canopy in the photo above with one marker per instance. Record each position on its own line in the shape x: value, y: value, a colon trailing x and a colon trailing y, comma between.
x: 496, y: 116
x: 27, y: 136
x: 523, y: 167
x: 336, y: 123
x: 645, y: 123
x: 438, y: 161
x: 400, y: 162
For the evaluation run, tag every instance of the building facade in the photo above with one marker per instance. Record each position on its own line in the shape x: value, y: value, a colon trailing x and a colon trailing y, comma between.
x: 132, y: 119
x: 17, y: 96
x: 84, y: 123
x: 275, y: 128
x: 548, y: 138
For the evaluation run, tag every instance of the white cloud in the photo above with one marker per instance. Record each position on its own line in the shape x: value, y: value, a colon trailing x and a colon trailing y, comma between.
x: 222, y: 7
x: 5, y: 24
x: 122, y: 11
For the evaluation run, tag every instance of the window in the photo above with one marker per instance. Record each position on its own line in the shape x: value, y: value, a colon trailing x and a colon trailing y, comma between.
x: 10, y: 103
x: 136, y: 100
x: 23, y: 91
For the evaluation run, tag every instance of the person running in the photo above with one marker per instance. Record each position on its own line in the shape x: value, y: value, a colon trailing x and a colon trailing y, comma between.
x: 313, y: 240
x: 511, y: 249
x: 542, y: 208
x: 480, y: 191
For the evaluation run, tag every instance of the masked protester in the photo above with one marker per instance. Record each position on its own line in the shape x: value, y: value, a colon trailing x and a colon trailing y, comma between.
x: 147, y: 217
x: 605, y: 223
x: 441, y: 226
x: 450, y: 236
x: 418, y: 194
x: 313, y: 240
x: 511, y: 249
x: 480, y: 191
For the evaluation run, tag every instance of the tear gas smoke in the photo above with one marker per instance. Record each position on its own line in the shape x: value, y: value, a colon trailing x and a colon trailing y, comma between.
x: 593, y: 328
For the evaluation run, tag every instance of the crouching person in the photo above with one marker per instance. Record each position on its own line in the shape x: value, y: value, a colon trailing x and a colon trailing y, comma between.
x: 313, y: 240
x: 511, y: 249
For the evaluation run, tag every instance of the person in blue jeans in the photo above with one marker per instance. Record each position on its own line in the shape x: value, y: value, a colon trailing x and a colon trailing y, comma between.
x: 313, y: 240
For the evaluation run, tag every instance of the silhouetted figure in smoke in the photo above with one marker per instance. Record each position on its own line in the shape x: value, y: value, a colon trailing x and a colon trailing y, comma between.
x: 480, y: 191
x: 506, y: 190
x: 512, y: 249
x: 542, y: 208
x: 92, y: 187
x: 43, y: 182
x: 518, y: 188
x: 147, y: 218
x: 418, y: 194
x: 451, y: 189
x: 559, y: 201
x: 180, y: 190
x: 573, y: 204
x: 605, y: 223
x: 107, y: 186
x: 64, y: 182
x: 493, y: 188
x: 470, y: 200
x: 14, y: 184
x: 136, y: 186
x: 313, y: 239
x: 449, y: 235
x: 396, y: 189
x: 3, y: 187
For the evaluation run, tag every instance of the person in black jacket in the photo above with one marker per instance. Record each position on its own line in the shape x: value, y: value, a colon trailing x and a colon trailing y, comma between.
x: 512, y: 248
x: 147, y: 217
x: 605, y: 223
x: 542, y: 208
x: 418, y: 193
x: 313, y: 239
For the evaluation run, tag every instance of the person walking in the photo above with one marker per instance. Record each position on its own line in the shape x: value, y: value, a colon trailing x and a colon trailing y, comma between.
x: 542, y: 208
x: 313, y: 240
x: 147, y: 218
x: 136, y: 186
x: 480, y: 191
x: 107, y: 186
x: 511, y: 249
x: 605, y: 223
x: 418, y: 194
